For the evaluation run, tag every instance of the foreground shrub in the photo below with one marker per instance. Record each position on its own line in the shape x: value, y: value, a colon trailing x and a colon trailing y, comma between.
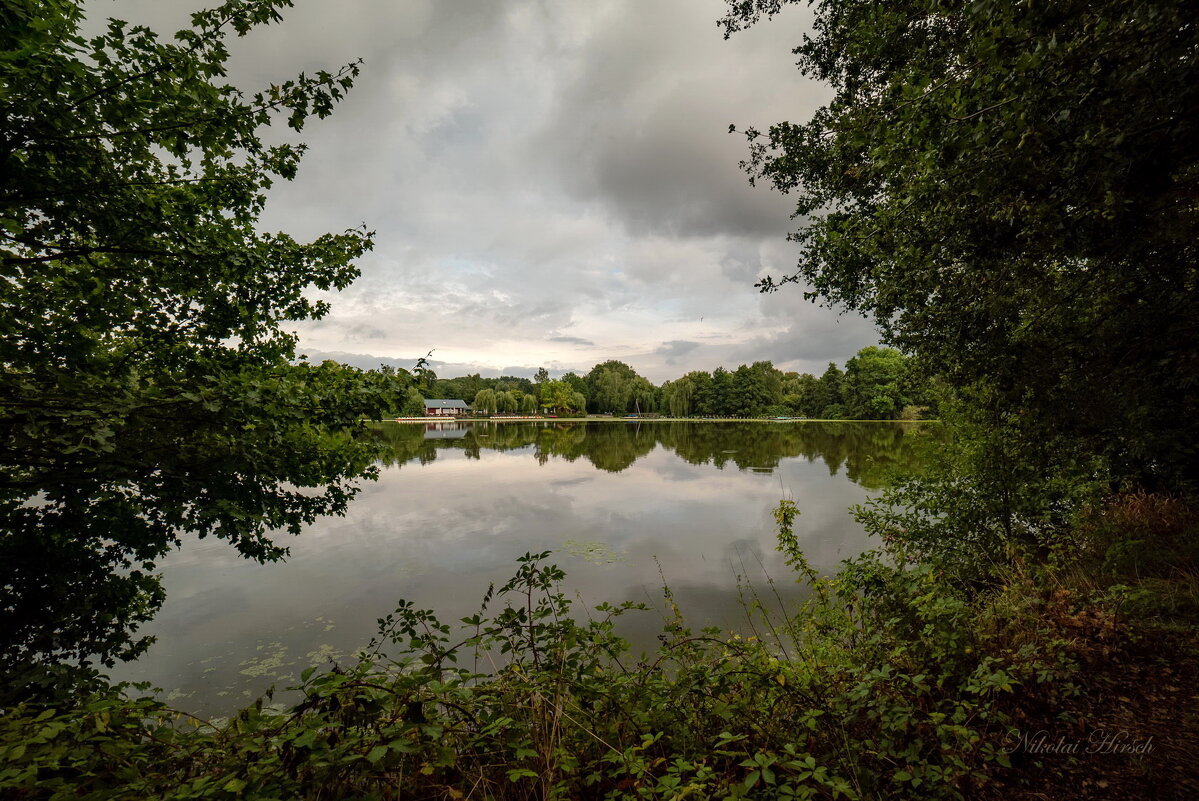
x: 882, y: 685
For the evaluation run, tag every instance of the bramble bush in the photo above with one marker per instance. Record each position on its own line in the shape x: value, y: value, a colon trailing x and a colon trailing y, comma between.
x: 883, y: 684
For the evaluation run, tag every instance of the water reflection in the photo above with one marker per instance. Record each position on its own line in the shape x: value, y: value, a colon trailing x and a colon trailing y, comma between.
x: 869, y: 452
x: 623, y: 505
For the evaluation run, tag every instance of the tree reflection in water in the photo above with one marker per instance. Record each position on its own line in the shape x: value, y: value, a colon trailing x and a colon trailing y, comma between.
x: 868, y: 452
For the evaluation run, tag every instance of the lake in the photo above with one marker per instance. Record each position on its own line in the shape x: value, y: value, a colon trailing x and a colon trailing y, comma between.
x: 623, y: 506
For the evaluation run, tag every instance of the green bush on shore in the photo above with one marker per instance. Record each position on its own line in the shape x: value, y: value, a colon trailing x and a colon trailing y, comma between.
x: 888, y: 682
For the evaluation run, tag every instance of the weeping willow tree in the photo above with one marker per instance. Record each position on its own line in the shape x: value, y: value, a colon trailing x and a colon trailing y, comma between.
x: 485, y: 402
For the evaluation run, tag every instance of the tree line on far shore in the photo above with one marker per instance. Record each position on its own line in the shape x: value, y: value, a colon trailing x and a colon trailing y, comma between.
x: 878, y: 383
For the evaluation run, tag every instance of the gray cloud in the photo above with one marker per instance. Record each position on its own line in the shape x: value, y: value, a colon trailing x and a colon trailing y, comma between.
x: 642, y: 126
x: 808, y: 342
x: 551, y: 183
x: 443, y: 369
x: 672, y: 351
x: 364, y: 361
x: 356, y: 333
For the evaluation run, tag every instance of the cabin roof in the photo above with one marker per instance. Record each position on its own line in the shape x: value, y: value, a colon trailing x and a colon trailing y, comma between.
x: 445, y: 403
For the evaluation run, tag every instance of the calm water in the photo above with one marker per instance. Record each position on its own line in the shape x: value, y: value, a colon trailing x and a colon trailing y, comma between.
x: 457, y: 503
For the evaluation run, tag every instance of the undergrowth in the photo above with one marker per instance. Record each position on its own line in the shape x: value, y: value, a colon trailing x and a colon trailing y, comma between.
x: 888, y: 682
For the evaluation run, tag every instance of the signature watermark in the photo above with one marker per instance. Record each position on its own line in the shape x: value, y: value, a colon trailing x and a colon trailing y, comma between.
x: 1099, y: 741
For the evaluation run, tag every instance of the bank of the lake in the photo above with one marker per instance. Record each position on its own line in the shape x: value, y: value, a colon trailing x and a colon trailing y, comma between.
x: 602, y: 418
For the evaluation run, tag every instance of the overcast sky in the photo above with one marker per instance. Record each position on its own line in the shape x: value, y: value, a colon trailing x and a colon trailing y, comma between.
x: 552, y: 182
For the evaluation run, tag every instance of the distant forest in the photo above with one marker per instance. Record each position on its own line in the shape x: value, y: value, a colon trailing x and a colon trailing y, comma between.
x: 876, y: 384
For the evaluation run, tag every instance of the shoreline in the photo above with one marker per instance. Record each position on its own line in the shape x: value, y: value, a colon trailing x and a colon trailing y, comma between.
x: 610, y: 419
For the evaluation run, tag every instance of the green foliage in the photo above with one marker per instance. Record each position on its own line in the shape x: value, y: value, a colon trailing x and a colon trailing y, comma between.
x: 424, y: 377
x: 983, y: 502
x: 485, y: 402
x: 753, y: 389
x: 1008, y: 189
x: 883, y: 384
x: 464, y: 388
x: 148, y: 384
x: 678, y: 397
x: 559, y: 397
x: 614, y: 387
x: 414, y: 403
x: 881, y: 685
x: 702, y: 396
x: 610, y: 387
x: 467, y: 387
x: 877, y: 384
x: 505, y: 402
x: 829, y: 395
x: 578, y: 403
x: 874, y: 384
x: 577, y: 383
